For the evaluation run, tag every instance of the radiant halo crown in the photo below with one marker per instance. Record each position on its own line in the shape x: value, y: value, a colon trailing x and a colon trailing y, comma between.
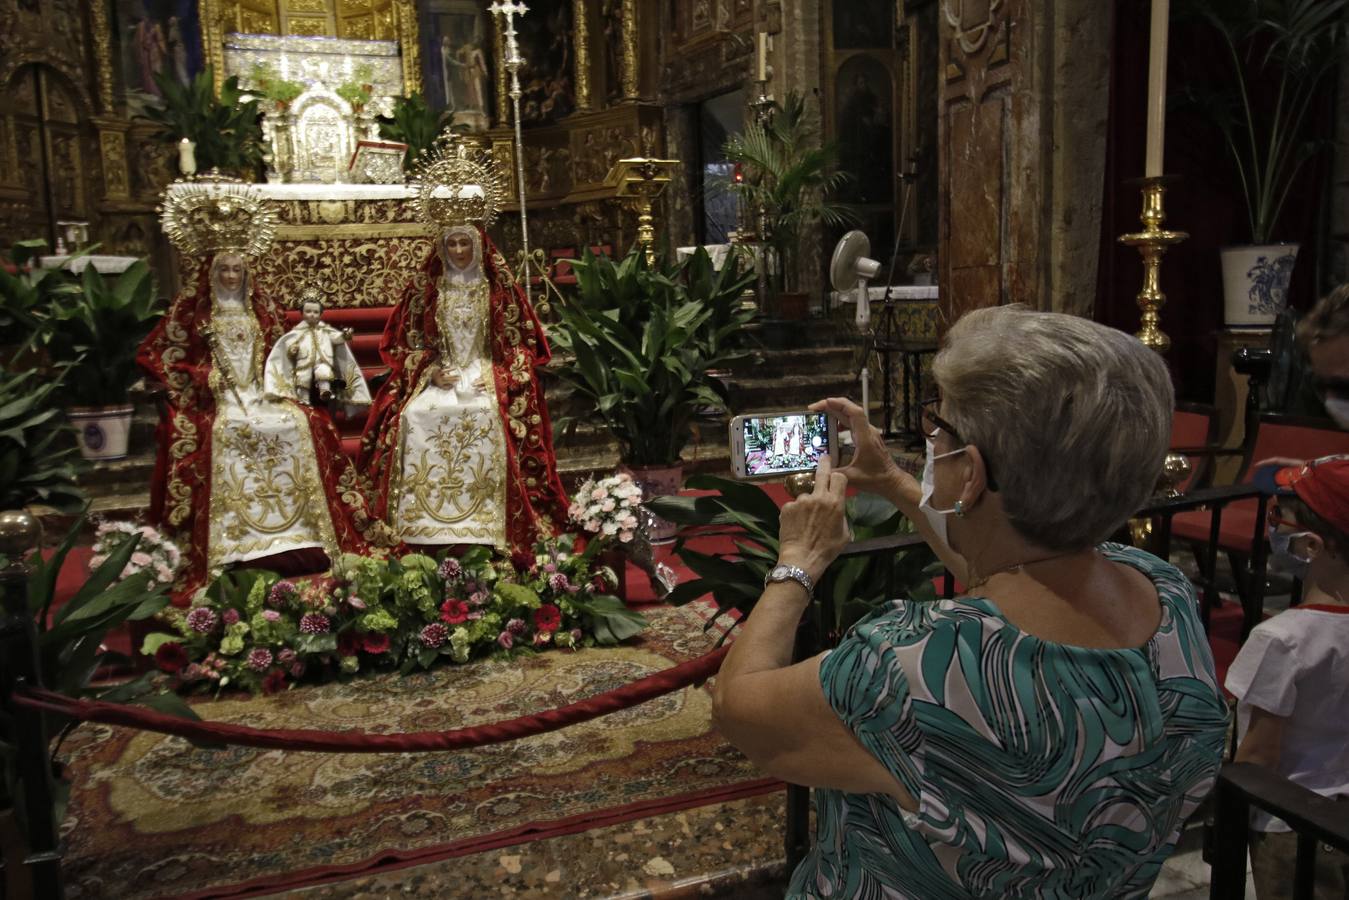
x: 214, y: 213
x: 457, y: 183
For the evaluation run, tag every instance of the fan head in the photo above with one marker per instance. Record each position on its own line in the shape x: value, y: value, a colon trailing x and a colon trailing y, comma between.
x: 851, y: 262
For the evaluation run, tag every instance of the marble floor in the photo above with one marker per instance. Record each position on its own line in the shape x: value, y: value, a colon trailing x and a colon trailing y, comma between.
x: 731, y: 850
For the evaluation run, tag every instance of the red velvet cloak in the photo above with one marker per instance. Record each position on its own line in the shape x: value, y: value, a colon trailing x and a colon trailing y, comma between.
x: 177, y: 355
x: 536, y: 504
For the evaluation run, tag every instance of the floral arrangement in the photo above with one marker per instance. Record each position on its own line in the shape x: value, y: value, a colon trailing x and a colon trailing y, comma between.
x: 154, y: 554
x: 357, y: 89
x: 271, y: 85
x: 256, y: 631
x: 608, y: 507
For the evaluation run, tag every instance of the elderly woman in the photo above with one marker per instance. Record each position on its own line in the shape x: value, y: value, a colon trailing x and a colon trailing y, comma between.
x: 1046, y: 733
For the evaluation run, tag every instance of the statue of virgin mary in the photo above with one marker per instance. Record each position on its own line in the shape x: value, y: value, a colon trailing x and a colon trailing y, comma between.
x: 458, y: 441
x: 239, y: 475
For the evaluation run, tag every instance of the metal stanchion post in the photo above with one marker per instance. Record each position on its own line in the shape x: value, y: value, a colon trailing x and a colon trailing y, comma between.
x: 19, y: 533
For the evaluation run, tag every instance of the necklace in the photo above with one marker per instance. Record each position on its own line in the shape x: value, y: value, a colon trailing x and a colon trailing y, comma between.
x: 1014, y: 567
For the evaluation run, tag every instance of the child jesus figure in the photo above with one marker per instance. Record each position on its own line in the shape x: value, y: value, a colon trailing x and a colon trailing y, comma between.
x: 313, y: 351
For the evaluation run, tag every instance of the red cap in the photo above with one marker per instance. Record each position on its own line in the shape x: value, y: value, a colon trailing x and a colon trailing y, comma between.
x: 1322, y: 484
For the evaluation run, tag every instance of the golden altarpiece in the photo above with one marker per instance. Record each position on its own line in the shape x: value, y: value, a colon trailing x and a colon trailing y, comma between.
x: 72, y: 148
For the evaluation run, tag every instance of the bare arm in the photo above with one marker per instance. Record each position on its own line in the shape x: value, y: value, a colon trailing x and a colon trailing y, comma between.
x: 1263, y: 741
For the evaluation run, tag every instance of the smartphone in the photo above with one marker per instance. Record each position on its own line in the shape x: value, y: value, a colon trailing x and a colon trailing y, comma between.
x: 770, y: 445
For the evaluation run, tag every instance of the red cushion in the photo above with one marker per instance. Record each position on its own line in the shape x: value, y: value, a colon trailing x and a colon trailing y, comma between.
x: 1234, y: 533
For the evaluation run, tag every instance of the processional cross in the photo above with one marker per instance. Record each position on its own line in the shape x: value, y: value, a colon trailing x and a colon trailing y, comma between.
x: 508, y: 10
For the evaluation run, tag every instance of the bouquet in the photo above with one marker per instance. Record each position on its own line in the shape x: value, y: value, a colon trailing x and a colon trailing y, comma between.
x: 154, y: 553
x: 256, y: 631
x: 607, y: 508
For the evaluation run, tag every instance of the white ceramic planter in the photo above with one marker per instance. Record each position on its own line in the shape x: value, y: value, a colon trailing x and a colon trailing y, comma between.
x: 103, y: 430
x: 1255, y: 283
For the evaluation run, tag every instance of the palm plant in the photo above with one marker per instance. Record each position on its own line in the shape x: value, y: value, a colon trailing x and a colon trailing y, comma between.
x: 39, y: 461
x: 27, y: 293
x: 415, y: 124
x: 97, y: 331
x: 790, y: 175
x: 1291, y: 44
x: 852, y: 588
x: 225, y: 129
x: 644, y: 342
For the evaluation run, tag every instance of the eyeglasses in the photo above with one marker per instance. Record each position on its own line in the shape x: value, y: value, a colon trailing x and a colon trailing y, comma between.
x: 931, y: 423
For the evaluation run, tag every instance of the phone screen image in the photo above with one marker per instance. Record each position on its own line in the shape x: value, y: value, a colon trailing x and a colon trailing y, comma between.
x: 777, y: 445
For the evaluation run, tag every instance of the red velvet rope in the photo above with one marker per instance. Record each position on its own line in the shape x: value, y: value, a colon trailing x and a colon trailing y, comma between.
x: 650, y: 687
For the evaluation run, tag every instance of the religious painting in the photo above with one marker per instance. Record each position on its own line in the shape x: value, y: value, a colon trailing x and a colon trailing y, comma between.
x: 863, y: 24
x: 456, y: 44
x: 863, y: 112
x: 546, y: 43
x: 156, y: 36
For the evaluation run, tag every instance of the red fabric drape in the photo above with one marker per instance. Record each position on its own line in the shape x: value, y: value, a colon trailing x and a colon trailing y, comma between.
x: 536, y: 503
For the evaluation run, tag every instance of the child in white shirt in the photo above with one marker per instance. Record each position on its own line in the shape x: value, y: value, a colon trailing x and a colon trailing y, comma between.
x: 1291, y: 678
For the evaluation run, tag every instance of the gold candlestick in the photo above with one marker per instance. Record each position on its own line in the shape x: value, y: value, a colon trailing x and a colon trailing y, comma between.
x: 642, y: 180
x: 1152, y: 243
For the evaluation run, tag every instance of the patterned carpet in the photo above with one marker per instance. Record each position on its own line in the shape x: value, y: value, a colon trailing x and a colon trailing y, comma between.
x: 151, y: 816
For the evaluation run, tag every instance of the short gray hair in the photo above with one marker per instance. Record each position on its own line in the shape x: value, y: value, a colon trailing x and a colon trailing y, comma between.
x: 1073, y: 417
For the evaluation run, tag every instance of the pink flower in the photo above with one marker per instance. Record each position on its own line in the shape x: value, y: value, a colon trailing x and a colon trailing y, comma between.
x: 434, y: 635
x: 281, y: 593
x: 598, y: 493
x: 315, y: 623
x: 356, y: 602
x: 376, y: 643
x: 271, y: 615
x: 592, y: 525
x: 542, y: 638
x: 475, y: 615
x: 454, y: 612
x: 140, y: 559
x: 505, y: 640
x: 260, y: 659
x: 558, y: 582
x: 479, y: 598
x: 287, y: 656
x: 201, y: 620
x: 230, y: 616
x: 516, y: 626
x: 193, y: 672
x: 297, y: 669
x: 547, y: 618
x: 450, y: 569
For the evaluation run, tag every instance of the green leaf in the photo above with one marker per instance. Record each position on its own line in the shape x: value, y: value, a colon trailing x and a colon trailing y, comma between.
x: 152, y: 642
x: 518, y: 595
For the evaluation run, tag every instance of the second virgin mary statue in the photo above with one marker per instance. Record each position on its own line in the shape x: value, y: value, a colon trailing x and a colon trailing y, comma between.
x: 458, y: 442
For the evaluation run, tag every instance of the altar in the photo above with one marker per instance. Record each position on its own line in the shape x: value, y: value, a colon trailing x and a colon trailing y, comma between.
x: 357, y: 243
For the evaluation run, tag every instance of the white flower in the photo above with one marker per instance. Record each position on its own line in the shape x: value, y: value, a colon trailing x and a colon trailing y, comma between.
x: 610, y: 528
x: 625, y: 536
x: 608, y: 505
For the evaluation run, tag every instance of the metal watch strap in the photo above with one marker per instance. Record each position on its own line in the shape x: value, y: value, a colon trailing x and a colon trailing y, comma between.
x: 780, y: 573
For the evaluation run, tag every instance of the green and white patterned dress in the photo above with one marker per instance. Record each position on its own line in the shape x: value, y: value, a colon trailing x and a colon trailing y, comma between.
x: 1041, y: 769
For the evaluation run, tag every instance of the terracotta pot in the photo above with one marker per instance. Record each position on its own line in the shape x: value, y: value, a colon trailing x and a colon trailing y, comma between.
x: 792, y: 306
x: 1255, y: 283
x: 658, y: 481
x: 103, y: 430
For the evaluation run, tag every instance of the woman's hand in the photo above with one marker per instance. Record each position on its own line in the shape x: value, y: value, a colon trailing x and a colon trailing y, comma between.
x: 814, y: 527
x: 442, y: 379
x: 872, y: 468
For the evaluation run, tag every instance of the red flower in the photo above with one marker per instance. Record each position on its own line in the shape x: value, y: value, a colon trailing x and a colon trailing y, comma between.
x: 453, y: 611
x: 275, y: 682
x: 547, y: 617
x: 171, y: 657
x: 349, y: 643
x: 375, y: 643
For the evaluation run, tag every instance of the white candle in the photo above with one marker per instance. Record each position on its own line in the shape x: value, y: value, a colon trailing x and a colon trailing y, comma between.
x: 1161, y: 12
x: 187, y: 157
x: 763, y: 56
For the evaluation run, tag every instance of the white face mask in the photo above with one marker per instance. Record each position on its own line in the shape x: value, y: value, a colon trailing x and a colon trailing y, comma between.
x: 1338, y: 407
x: 935, y: 517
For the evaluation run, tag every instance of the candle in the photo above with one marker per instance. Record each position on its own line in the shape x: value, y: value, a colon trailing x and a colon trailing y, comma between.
x: 1161, y: 10
x: 763, y: 56
x: 187, y: 157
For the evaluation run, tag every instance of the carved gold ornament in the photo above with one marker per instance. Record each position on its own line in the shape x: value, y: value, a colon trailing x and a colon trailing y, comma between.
x: 457, y: 183
x: 214, y: 213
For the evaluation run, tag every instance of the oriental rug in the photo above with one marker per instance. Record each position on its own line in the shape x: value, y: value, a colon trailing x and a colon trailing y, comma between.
x: 152, y: 816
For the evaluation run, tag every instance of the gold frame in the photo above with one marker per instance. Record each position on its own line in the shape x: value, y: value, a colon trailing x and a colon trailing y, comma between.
x: 215, y: 14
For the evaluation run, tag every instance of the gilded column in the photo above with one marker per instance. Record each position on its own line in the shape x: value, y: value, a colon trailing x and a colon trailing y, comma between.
x: 409, y: 46
x: 631, y: 80
x: 212, y: 13
x: 503, y: 95
x: 98, y: 11
x: 581, y: 33
x: 112, y: 153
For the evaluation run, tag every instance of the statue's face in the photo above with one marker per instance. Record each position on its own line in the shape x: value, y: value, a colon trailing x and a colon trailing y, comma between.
x: 312, y: 313
x: 229, y: 272
x: 459, y: 248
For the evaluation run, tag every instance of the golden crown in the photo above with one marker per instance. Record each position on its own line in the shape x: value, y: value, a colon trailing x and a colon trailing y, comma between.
x: 457, y: 183
x: 214, y: 213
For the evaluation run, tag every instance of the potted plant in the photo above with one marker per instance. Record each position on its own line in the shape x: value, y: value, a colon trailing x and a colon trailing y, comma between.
x: 269, y: 83
x: 1288, y: 47
x: 415, y: 124
x: 39, y: 462
x: 358, y: 89
x: 95, y: 333
x: 225, y: 129
x: 643, y: 343
x: 785, y: 172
